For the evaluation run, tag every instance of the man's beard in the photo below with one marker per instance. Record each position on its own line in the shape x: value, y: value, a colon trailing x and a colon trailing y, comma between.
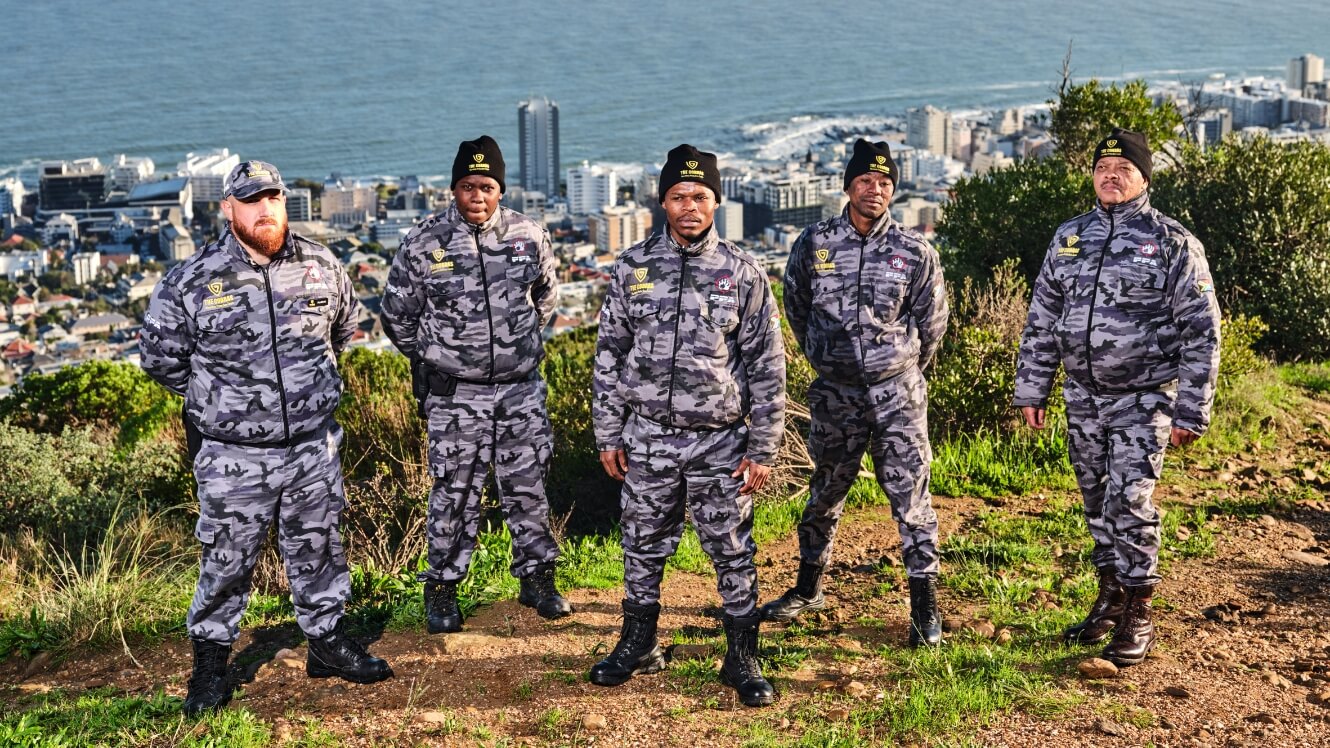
x: 266, y: 239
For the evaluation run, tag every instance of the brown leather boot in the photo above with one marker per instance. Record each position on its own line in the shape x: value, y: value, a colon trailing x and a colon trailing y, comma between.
x: 1135, y: 634
x: 1104, y: 613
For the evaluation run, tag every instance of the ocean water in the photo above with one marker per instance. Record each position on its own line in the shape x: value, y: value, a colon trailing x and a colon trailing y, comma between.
x: 390, y: 87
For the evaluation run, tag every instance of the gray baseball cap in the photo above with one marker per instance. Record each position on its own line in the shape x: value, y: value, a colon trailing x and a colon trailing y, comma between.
x: 249, y: 178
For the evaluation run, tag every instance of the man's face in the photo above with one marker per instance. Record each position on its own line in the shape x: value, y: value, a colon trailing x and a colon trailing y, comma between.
x: 870, y: 194
x: 1117, y: 180
x: 689, y: 208
x: 258, y: 221
x: 477, y: 197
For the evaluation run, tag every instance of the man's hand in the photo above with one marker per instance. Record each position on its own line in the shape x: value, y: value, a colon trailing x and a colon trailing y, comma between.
x: 756, y: 478
x: 1182, y: 437
x: 1034, y: 417
x: 615, y: 462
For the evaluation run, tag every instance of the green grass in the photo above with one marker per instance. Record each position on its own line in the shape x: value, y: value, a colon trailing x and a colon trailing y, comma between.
x: 58, y: 719
x: 1312, y: 377
x: 990, y: 465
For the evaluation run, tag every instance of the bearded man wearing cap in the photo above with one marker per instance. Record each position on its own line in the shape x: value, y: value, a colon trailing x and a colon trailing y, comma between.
x: 864, y: 297
x: 248, y: 331
x: 469, y: 292
x: 689, y: 403
x: 1125, y: 304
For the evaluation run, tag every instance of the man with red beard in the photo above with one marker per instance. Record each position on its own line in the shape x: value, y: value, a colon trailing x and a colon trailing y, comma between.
x: 248, y: 331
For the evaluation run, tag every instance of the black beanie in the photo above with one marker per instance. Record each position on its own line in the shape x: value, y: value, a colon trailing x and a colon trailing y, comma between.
x: 870, y: 157
x: 1126, y: 144
x: 687, y: 164
x: 481, y: 157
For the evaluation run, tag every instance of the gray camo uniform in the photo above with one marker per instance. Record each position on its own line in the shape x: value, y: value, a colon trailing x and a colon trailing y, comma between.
x: 869, y: 312
x: 689, y: 380
x: 252, y: 349
x: 1124, y: 302
x: 471, y: 301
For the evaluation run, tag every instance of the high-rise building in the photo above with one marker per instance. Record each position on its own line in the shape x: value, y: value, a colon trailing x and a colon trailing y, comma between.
x: 618, y: 227
x: 538, y: 131
x: 86, y: 266
x: 591, y: 188
x: 11, y: 195
x: 729, y: 219
x: 299, y: 204
x: 791, y: 198
x: 1304, y: 71
x: 1213, y: 127
x: 1005, y: 122
x: 207, y: 173
x: 929, y: 128
x: 348, y: 203
x: 67, y: 185
x: 128, y: 171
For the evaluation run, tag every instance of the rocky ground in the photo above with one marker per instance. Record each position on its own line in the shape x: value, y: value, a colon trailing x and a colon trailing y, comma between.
x: 1243, y: 658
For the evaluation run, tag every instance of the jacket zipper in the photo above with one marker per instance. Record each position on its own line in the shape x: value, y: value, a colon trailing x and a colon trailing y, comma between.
x: 858, y: 308
x: 276, y: 358
x: 1094, y: 297
x: 489, y: 310
x: 674, y: 356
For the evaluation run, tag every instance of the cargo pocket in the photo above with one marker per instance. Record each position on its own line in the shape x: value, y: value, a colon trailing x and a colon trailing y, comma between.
x: 226, y: 336
x: 1141, y: 289
x: 448, y: 437
x: 718, y: 323
x: 887, y: 300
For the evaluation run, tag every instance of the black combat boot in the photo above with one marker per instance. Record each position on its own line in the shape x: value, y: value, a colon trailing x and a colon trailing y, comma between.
x: 441, y: 612
x: 741, y: 670
x: 1135, y: 634
x: 925, y: 621
x: 338, y: 654
x: 805, y: 595
x: 538, y: 592
x: 1104, y: 613
x: 208, y: 688
x: 637, y: 652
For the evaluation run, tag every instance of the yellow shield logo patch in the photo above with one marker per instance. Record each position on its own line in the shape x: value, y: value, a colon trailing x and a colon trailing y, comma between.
x: 640, y: 274
x: 1071, y: 240
x: 215, y: 288
x: 1112, y: 144
x: 691, y: 164
x: 437, y: 255
x: 822, y: 254
x: 882, y: 159
x: 479, y: 157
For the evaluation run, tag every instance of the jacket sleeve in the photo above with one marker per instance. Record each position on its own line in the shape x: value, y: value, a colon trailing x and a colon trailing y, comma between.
x: 348, y: 311
x: 167, y: 339
x: 545, y: 291
x: 1038, y: 360
x: 1196, y: 314
x: 614, y: 341
x: 404, y: 296
x: 798, y: 290
x: 929, y: 306
x: 762, y: 351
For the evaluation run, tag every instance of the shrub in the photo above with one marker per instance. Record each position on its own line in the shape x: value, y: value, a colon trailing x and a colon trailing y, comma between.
x: 1260, y: 208
x: 110, y: 394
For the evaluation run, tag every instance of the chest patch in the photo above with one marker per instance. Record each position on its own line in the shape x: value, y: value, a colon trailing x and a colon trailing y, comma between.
x: 823, y: 263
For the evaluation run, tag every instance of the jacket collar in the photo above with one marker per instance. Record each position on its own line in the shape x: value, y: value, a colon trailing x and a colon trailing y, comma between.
x: 704, y: 244
x: 231, y: 244
x: 1124, y: 211
x: 455, y: 217
x: 879, y: 228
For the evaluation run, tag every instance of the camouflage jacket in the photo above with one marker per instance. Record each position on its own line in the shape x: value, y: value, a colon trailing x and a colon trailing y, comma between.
x: 472, y: 300
x: 253, y: 349
x: 865, y: 308
x: 1125, y: 302
x: 690, y: 337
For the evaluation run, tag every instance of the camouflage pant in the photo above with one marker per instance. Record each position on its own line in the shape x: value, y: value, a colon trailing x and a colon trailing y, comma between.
x: 480, y: 425
x: 890, y: 420
x: 670, y: 470
x: 241, y: 490
x: 1117, y: 450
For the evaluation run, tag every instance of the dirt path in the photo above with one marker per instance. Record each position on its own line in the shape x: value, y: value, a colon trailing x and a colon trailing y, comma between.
x: 1243, y: 659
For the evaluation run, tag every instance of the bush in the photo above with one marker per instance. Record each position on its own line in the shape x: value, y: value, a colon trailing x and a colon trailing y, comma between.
x: 110, y: 394
x: 1010, y: 213
x: 69, y: 485
x: 1260, y: 208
